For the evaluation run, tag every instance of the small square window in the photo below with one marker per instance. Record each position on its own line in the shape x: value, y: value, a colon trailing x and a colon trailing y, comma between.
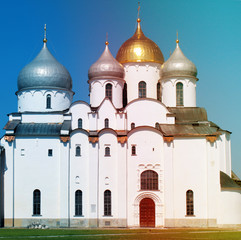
x: 50, y: 152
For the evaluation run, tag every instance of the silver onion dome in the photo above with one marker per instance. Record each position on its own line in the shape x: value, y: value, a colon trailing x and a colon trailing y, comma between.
x: 44, y: 72
x: 178, y: 65
x: 106, y: 66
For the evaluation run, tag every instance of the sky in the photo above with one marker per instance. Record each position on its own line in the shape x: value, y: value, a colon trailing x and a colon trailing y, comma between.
x: 209, y: 33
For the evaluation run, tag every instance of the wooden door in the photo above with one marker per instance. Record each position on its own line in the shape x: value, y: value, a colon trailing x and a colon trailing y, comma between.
x: 147, y: 213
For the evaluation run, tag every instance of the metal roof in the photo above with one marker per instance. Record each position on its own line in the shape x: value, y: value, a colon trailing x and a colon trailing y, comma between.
x: 189, y: 114
x: 188, y: 130
x: 66, y: 125
x: 38, y: 129
x: 11, y: 125
x: 227, y: 182
x: 44, y: 72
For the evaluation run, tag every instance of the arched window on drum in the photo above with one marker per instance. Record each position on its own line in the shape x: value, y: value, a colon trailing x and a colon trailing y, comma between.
x: 179, y: 94
x: 108, y: 91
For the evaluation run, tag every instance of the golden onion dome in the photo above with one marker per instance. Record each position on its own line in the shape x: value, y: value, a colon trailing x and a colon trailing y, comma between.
x: 139, y: 48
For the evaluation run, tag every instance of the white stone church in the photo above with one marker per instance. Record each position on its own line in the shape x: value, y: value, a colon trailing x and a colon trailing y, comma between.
x: 140, y: 154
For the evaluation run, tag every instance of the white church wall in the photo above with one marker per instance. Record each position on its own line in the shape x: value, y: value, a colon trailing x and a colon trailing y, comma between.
x: 213, y: 182
x: 147, y: 72
x: 168, y: 150
x: 42, y: 118
x: 41, y: 172
x: 146, y: 112
x: 108, y: 178
x: 106, y: 110
x: 8, y: 182
x: 79, y: 174
x: 229, y: 208
x: 80, y: 110
x: 64, y: 165
x: 225, y: 153
x: 190, y: 173
x: 35, y: 100
x: 149, y: 156
x: 93, y: 183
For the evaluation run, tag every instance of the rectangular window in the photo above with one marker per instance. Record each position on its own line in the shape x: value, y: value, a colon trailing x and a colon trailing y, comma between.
x: 22, y: 152
x: 50, y: 152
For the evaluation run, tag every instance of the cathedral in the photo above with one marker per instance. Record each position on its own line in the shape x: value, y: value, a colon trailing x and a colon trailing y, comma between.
x: 140, y: 154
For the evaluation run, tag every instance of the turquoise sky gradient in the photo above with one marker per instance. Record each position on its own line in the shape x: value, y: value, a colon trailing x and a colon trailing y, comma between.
x: 209, y: 34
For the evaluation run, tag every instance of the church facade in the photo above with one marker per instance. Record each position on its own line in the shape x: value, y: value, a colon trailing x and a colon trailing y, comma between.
x: 141, y: 154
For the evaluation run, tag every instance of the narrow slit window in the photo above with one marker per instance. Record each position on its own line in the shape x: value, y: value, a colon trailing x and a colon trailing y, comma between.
x: 133, y: 150
x: 36, y: 202
x: 80, y: 122
x: 50, y: 152
x: 108, y: 91
x: 158, y: 91
x: 132, y: 126
x: 48, y: 101
x: 189, y: 203
x: 107, y: 151
x: 106, y: 123
x: 77, y: 151
x: 78, y: 203
x: 107, y: 203
x: 142, y: 89
x: 179, y: 94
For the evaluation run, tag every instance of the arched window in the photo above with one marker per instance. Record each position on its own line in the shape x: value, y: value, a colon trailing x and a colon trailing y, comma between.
x: 80, y: 122
x: 36, y: 202
x: 149, y: 180
x: 189, y: 203
x: 106, y: 123
x: 179, y: 94
x: 78, y: 151
x: 158, y: 91
x: 132, y: 125
x: 48, y: 101
x: 78, y: 203
x: 107, y: 151
x: 108, y: 91
x: 133, y: 150
x: 157, y: 125
x: 107, y: 203
x: 142, y: 89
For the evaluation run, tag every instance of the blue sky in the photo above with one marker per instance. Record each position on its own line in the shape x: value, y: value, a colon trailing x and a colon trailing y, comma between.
x: 209, y: 34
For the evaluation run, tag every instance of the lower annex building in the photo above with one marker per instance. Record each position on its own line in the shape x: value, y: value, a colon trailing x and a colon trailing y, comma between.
x: 141, y: 154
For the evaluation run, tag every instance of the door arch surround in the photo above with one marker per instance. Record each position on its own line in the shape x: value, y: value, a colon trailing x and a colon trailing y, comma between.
x: 159, y: 210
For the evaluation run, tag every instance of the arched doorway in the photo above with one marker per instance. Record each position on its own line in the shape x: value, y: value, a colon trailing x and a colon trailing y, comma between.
x: 147, y: 213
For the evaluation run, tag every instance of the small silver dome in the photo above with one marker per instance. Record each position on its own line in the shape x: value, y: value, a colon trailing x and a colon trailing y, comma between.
x: 44, y: 72
x: 106, y: 66
x: 178, y: 65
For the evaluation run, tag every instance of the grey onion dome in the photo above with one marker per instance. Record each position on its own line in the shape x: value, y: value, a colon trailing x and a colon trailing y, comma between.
x: 178, y: 65
x: 44, y: 72
x: 106, y: 66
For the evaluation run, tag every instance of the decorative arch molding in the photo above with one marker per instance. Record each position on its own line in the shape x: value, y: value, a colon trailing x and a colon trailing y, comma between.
x: 150, y: 195
x: 159, y: 207
x: 103, y: 82
x: 143, y: 128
